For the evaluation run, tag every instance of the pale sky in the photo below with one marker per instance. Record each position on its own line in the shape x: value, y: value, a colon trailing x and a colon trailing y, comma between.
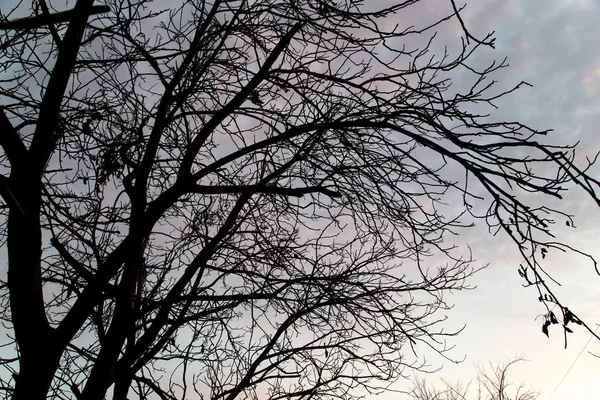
x: 552, y: 44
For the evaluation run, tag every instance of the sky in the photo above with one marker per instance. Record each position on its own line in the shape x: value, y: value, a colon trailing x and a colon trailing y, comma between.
x: 551, y: 44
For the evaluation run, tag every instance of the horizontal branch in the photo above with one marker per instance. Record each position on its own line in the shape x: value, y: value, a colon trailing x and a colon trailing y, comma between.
x: 39, y: 21
x: 249, y: 189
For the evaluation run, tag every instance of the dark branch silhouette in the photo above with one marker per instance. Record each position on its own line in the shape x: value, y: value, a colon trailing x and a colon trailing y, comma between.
x: 43, y: 20
x: 493, y: 384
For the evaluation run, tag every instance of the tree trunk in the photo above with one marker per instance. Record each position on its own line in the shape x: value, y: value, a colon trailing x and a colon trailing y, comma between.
x: 36, y: 340
x: 36, y: 373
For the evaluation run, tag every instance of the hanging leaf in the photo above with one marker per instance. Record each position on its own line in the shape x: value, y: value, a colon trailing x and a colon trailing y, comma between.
x: 568, y: 316
x: 86, y: 128
x: 255, y: 99
x: 545, y: 329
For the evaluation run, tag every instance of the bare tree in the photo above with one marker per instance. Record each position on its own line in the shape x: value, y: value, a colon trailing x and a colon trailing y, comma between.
x: 490, y: 385
x: 242, y: 199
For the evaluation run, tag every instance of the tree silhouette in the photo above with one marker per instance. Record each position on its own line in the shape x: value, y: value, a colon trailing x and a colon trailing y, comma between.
x: 490, y: 385
x: 231, y: 199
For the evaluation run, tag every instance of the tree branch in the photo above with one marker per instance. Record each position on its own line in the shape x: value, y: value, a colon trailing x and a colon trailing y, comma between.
x: 10, y: 141
x: 50, y: 19
x: 45, y: 136
x: 249, y: 189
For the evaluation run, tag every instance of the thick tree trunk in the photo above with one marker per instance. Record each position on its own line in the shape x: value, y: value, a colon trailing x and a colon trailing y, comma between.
x: 39, y: 352
x: 36, y: 374
x: 39, y: 347
x: 121, y: 389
